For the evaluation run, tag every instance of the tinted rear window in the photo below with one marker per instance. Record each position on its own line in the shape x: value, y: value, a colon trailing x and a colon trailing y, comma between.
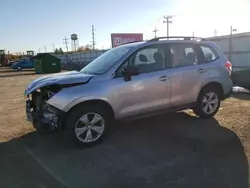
x: 209, y: 53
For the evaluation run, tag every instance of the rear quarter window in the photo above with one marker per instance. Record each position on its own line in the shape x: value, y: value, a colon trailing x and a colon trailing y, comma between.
x: 209, y: 53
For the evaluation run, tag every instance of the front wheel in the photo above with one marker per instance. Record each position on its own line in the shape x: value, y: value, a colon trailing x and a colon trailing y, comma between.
x: 87, y: 125
x: 208, y: 103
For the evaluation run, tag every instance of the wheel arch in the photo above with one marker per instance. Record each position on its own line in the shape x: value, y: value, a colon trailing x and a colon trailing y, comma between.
x: 108, y: 108
x: 216, y: 85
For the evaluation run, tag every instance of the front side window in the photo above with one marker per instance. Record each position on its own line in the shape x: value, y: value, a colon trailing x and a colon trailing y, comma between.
x: 148, y: 59
x: 209, y: 53
x: 183, y: 55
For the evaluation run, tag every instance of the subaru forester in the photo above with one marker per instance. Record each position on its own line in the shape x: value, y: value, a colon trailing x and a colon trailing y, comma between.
x: 135, y: 80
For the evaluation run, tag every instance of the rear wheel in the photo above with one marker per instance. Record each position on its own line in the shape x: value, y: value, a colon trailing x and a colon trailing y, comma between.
x: 87, y: 125
x: 19, y: 68
x: 208, y: 103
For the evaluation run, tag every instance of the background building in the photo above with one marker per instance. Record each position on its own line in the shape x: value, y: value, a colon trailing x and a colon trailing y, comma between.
x: 240, y: 49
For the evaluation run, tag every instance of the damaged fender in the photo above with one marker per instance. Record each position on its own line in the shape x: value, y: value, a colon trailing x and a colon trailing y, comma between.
x: 72, y: 77
x: 38, y: 110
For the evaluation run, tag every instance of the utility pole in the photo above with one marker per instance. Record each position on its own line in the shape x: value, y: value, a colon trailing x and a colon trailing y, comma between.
x: 215, y: 32
x: 65, y: 41
x: 167, y: 19
x: 45, y: 49
x: 53, y: 46
x: 39, y: 50
x: 192, y: 34
x: 230, y: 42
x: 93, y: 37
x: 155, y: 31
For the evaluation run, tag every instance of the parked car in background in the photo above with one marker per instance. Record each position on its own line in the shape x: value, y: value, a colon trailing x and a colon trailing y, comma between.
x: 242, y: 78
x: 23, y: 64
x: 131, y: 81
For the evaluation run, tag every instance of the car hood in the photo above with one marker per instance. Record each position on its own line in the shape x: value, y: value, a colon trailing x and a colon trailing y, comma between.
x: 71, y: 77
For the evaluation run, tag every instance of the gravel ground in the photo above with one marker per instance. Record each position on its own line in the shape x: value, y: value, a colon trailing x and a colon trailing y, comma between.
x: 173, y: 150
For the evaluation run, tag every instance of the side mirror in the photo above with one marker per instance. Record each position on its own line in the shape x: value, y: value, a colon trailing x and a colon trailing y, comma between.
x: 127, y: 72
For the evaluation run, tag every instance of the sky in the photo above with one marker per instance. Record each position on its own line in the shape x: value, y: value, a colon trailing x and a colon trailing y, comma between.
x: 34, y: 24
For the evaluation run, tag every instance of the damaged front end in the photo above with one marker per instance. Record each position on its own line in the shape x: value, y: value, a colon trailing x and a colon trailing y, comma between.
x: 43, y: 116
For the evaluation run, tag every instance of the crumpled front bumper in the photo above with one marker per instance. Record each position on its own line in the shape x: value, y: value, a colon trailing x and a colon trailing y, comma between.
x: 49, y: 119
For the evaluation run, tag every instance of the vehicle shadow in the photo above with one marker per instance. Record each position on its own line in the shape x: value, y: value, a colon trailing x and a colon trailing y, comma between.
x: 173, y: 150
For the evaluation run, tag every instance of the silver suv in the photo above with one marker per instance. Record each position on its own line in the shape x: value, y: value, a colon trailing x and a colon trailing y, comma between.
x: 131, y: 81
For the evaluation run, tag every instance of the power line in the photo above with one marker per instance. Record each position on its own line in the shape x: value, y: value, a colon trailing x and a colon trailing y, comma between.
x: 155, y: 31
x: 93, y: 37
x: 167, y: 19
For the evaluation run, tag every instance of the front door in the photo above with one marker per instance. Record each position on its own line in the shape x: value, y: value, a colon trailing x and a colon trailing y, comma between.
x: 149, y: 91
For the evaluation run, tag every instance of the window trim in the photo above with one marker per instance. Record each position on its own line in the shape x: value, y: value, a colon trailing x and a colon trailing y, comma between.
x: 162, y: 45
x: 203, y: 55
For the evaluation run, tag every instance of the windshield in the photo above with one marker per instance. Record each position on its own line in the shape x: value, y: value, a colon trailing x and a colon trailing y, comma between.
x: 107, y: 60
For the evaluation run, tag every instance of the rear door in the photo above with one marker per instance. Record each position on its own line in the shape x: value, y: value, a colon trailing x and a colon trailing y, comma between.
x: 25, y: 64
x: 187, y: 73
x: 29, y: 63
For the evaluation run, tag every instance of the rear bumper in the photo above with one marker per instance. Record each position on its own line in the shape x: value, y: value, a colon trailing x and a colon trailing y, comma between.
x: 227, y: 95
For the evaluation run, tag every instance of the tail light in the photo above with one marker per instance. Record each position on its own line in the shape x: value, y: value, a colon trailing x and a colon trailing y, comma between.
x: 228, y: 65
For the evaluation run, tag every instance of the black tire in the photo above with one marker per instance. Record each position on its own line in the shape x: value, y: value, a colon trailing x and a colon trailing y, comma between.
x: 199, y: 107
x: 77, y: 113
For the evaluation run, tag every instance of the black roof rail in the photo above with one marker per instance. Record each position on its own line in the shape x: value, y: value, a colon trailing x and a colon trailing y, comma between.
x: 176, y: 37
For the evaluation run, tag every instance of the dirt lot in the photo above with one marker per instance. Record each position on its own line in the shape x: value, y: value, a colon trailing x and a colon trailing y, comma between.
x: 173, y: 150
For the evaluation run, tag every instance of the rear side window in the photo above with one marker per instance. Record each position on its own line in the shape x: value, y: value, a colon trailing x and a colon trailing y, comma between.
x: 183, y: 55
x: 209, y: 53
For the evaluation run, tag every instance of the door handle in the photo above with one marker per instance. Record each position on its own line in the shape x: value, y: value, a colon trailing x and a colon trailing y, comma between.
x: 201, y: 70
x: 163, y: 78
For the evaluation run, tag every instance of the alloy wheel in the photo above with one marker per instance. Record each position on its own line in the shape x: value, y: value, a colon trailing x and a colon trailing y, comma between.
x: 89, y: 127
x: 210, y: 103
